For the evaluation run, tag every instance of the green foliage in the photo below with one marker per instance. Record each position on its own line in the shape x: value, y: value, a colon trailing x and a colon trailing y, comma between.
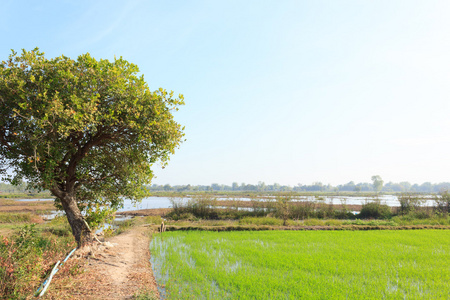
x: 409, y: 203
x: 442, y: 202
x: 90, y: 128
x: 303, y: 265
x: 97, y: 215
x: 375, y: 210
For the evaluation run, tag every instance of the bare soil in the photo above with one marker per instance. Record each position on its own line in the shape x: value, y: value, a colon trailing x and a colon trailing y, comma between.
x: 116, y: 269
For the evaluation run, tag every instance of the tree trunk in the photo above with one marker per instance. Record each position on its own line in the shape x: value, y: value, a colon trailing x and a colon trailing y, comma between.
x: 80, y: 228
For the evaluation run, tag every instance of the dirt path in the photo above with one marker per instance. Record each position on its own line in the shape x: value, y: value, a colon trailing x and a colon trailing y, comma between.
x: 118, y: 269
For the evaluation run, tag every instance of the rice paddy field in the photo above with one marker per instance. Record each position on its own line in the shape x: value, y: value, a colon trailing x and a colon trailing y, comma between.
x: 303, y: 264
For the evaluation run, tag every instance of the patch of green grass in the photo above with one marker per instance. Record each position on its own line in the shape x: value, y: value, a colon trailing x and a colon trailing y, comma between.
x: 371, y: 222
x: 260, y: 221
x: 303, y: 264
x: 144, y: 295
x: 314, y: 222
x: 406, y: 220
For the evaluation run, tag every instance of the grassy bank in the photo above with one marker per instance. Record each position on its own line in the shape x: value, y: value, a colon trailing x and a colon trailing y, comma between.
x: 303, y: 265
x: 28, y: 251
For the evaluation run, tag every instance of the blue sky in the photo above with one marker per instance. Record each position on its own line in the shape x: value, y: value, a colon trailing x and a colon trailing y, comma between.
x: 276, y: 91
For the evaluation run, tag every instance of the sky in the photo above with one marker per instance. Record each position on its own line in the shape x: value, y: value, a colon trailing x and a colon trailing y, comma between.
x: 280, y: 91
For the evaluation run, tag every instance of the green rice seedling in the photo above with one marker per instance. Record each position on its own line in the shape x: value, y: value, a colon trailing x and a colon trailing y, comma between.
x: 303, y: 264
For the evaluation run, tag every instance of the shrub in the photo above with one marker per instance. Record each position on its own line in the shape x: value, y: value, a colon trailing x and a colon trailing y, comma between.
x: 258, y: 207
x: 283, y: 206
x: 324, y: 210
x: 343, y: 214
x: 375, y: 210
x: 409, y: 203
x: 201, y: 206
x: 25, y: 259
x: 302, y: 210
x: 442, y: 202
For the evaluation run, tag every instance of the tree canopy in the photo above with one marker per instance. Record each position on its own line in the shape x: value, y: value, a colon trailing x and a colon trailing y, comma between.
x: 87, y: 130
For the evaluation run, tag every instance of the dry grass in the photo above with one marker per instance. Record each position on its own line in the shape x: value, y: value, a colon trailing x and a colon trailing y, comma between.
x: 7, y: 205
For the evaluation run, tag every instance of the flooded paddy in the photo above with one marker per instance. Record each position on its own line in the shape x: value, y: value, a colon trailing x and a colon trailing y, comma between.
x: 303, y: 265
x: 165, y: 202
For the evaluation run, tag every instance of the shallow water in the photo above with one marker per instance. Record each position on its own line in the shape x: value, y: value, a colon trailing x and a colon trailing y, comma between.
x: 164, y: 202
x: 29, y: 200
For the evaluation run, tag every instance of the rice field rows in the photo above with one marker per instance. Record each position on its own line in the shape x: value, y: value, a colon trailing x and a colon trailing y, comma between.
x: 303, y: 265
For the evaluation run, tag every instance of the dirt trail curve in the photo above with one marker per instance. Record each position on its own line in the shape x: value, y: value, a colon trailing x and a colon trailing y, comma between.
x: 118, y: 269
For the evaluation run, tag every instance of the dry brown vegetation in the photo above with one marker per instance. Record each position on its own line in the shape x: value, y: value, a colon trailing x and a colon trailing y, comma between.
x: 8, y: 205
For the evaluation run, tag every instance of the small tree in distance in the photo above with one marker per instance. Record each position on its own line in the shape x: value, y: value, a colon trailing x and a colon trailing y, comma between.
x: 377, y: 183
x: 86, y: 130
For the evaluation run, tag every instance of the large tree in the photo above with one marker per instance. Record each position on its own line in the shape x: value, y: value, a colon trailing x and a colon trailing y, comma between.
x: 87, y: 130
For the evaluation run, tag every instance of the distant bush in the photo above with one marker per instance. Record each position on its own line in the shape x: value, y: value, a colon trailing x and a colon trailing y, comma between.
x: 302, y: 210
x: 283, y: 206
x: 343, y: 214
x: 409, y: 203
x: 442, y: 202
x: 375, y: 210
x: 200, y: 206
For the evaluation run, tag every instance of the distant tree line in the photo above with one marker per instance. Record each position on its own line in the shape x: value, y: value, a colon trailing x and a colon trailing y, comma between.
x: 21, y: 188
x: 375, y: 186
x: 9, y: 188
